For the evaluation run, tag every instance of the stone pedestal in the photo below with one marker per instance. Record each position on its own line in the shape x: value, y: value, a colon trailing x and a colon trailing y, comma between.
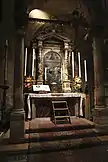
x: 17, y: 121
x: 17, y: 126
x: 100, y: 114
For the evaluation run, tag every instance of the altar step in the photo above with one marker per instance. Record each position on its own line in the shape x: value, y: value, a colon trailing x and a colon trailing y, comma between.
x: 65, y: 145
x: 81, y: 133
x: 41, y: 125
x: 44, y: 136
x: 63, y: 132
x: 63, y: 135
x: 61, y: 112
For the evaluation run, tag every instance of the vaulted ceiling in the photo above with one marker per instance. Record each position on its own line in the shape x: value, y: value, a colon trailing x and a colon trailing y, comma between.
x: 58, y: 10
x: 94, y: 12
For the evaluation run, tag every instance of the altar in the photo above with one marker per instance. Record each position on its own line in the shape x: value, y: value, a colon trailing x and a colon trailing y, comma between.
x: 53, y: 62
x: 42, y: 102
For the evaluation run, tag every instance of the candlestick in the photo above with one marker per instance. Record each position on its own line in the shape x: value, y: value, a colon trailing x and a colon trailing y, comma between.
x: 33, y: 62
x: 25, y: 68
x: 73, y: 64
x: 79, y: 65
x: 45, y: 73
x: 85, y: 70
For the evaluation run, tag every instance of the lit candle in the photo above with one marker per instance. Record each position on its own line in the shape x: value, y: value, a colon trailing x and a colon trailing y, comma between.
x: 45, y: 73
x: 25, y: 62
x: 73, y: 64
x: 79, y: 65
x: 33, y: 62
x: 85, y: 70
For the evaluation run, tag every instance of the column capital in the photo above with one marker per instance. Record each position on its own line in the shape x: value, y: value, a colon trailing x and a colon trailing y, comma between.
x: 34, y: 46
x: 66, y: 45
x: 40, y: 43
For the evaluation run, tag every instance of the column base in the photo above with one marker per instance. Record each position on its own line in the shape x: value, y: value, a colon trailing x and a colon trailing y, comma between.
x: 40, y: 82
x: 17, y: 126
x: 100, y: 116
x: 66, y: 86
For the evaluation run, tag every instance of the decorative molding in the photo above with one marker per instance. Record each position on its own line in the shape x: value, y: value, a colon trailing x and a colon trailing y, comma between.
x: 53, y: 34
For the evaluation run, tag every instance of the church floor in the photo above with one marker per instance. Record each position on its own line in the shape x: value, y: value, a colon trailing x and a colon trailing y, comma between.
x: 94, y: 154
x: 44, y: 137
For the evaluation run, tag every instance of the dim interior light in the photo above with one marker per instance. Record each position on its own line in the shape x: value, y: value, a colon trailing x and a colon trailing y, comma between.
x: 39, y: 14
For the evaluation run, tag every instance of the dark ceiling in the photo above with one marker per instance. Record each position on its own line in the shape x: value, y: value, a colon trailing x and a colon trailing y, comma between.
x: 94, y: 12
x: 61, y: 10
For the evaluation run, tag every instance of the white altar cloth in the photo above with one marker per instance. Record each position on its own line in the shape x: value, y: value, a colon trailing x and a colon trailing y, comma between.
x: 54, y: 95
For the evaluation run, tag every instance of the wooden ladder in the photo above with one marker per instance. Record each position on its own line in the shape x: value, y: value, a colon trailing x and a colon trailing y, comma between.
x: 60, y: 112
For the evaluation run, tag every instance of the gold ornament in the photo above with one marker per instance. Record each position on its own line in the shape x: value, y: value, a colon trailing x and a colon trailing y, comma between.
x: 77, y: 84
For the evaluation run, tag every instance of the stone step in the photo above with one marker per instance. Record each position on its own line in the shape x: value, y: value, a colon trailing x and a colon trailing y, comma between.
x: 65, y: 135
x: 59, y: 145
x: 62, y: 135
x: 51, y: 146
x: 59, y: 127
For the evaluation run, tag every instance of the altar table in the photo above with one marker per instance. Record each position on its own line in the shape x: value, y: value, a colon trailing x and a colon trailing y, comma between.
x: 31, y: 96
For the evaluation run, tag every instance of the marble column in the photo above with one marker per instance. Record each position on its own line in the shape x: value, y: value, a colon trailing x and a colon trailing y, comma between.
x: 10, y: 75
x: 40, y: 64
x: 76, y: 64
x: 100, y: 115
x: 69, y: 57
x: 18, y: 115
x: 70, y: 64
x: 66, y: 81
x: 1, y: 75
